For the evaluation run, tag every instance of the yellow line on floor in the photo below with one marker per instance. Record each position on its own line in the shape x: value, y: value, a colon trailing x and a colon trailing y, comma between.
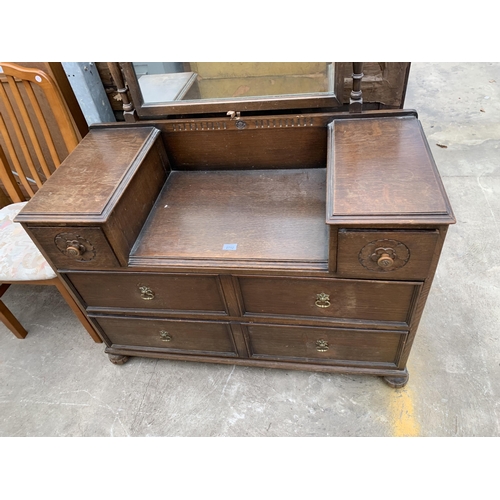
x: 402, y: 414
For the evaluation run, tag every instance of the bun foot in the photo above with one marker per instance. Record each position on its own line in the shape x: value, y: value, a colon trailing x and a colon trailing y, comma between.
x: 399, y: 381
x: 118, y: 359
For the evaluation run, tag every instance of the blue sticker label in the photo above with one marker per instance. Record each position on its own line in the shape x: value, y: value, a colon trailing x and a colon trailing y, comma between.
x: 230, y: 246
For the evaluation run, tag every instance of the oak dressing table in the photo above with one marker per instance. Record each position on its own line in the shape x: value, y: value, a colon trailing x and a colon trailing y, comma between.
x: 252, y: 236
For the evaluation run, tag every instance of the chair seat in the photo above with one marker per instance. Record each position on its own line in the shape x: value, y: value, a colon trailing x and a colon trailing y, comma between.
x: 20, y: 259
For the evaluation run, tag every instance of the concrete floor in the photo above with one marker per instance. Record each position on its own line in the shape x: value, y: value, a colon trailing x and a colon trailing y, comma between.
x: 57, y: 382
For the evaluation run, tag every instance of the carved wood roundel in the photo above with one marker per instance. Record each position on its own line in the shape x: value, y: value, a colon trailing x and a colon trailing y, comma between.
x: 75, y: 246
x: 384, y: 255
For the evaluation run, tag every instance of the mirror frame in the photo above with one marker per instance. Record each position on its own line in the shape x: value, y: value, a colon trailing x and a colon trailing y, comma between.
x: 204, y: 106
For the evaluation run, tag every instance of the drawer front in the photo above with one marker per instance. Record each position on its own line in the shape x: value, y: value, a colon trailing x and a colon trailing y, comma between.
x: 326, y: 344
x: 196, y: 337
x: 385, y: 254
x: 328, y: 298
x: 75, y: 247
x: 169, y: 292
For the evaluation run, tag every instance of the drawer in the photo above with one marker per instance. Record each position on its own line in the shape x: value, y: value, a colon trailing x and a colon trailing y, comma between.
x: 195, y: 337
x: 385, y: 254
x: 170, y: 292
x: 75, y: 247
x: 328, y: 298
x: 341, y: 346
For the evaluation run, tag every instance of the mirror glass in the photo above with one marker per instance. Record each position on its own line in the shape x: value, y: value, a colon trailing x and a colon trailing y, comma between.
x: 163, y: 82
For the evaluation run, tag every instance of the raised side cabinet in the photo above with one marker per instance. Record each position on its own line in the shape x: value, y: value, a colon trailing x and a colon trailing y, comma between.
x: 309, y: 247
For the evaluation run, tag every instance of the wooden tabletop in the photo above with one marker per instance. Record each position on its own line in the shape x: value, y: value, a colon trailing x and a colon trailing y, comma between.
x: 381, y: 170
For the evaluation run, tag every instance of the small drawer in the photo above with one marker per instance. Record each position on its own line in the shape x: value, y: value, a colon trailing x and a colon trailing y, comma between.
x: 75, y: 247
x: 385, y: 254
x: 328, y: 298
x: 169, y: 292
x: 194, y: 337
x: 326, y: 344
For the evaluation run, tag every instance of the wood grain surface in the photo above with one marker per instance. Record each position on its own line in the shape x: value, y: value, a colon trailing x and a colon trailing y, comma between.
x: 420, y: 245
x: 261, y: 215
x: 170, y: 291
x: 180, y: 336
x: 274, y: 142
x: 356, y: 299
x: 382, y: 169
x: 302, y: 343
x: 253, y: 250
x: 103, y: 258
x: 194, y: 337
x: 87, y: 180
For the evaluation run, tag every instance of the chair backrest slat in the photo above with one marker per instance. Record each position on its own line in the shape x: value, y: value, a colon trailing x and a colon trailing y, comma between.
x: 8, y: 180
x: 53, y: 96
x: 13, y: 156
x: 18, y: 132
x: 33, y: 109
x: 43, y: 124
x: 29, y: 127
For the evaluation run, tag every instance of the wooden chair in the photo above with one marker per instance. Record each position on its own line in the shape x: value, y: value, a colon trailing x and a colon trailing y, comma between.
x: 25, y: 123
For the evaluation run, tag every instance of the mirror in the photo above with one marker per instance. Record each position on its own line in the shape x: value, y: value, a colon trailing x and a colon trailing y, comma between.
x: 162, y: 88
x: 165, y: 82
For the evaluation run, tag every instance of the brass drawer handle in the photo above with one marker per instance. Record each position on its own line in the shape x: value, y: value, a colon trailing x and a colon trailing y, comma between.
x: 146, y: 293
x: 322, y: 345
x: 323, y: 300
x: 165, y: 336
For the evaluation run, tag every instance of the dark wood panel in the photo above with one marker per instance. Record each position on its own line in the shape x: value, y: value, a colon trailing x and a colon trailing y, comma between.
x: 383, y: 168
x: 176, y: 336
x: 112, y: 180
x: 239, y: 339
x: 359, y: 252
x: 230, y: 294
x: 134, y: 206
x: 326, y: 344
x: 378, y: 369
x: 362, y: 300
x: 271, y: 215
x: 95, y: 173
x: 96, y: 253
x: 281, y: 144
x: 178, y: 292
x: 223, y: 191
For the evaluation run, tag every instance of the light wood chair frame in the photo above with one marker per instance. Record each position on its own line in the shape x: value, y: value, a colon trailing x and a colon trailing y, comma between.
x: 28, y: 76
